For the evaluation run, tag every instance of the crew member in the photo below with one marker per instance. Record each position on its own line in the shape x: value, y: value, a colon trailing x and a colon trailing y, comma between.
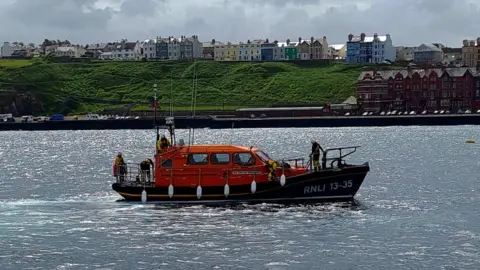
x: 145, y: 169
x: 163, y: 144
x: 316, y: 148
x: 272, y: 169
x: 121, y: 166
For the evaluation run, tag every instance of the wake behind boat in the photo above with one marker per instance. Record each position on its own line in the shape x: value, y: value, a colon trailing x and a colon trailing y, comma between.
x: 224, y: 174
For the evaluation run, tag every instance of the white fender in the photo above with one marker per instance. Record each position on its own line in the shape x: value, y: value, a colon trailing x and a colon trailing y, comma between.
x: 144, y: 196
x: 199, y: 192
x: 283, y: 180
x: 170, y: 191
x: 253, y: 186
x: 226, y: 190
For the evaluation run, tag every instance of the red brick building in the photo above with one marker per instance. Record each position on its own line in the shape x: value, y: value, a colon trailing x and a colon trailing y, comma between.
x: 419, y: 89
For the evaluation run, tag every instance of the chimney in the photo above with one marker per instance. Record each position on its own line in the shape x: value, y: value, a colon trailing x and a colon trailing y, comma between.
x: 350, y: 37
x: 375, y: 36
x: 311, y: 40
x: 362, y: 36
x: 299, y: 40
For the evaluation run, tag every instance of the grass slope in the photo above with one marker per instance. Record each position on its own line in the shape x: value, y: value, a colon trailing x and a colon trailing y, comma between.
x: 90, y: 87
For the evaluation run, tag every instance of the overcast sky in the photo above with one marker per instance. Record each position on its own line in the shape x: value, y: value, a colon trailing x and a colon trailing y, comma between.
x: 410, y: 22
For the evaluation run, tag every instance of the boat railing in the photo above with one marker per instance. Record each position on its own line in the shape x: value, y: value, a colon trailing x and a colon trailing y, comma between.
x: 339, y: 159
x: 131, y: 174
x: 298, y: 162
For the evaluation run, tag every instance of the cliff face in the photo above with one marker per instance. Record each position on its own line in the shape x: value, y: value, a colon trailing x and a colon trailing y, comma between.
x: 46, y: 88
x: 19, y: 103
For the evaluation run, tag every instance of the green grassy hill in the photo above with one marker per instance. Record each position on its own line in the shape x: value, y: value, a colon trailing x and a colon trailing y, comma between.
x: 92, y: 87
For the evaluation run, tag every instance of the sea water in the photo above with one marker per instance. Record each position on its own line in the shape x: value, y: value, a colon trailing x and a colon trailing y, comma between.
x: 417, y: 209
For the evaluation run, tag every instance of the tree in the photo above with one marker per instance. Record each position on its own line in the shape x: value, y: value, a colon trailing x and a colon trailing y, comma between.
x: 31, y: 45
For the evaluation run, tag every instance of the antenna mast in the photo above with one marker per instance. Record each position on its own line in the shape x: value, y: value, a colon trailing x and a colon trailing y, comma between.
x: 191, y: 132
x: 155, y: 112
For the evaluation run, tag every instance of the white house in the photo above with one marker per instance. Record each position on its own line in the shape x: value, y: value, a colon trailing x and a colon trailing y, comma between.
x: 338, y: 51
x: 7, y: 49
x: 71, y: 51
x: 149, y: 47
x: 250, y: 51
x: 382, y: 48
x: 124, y: 51
x: 405, y: 53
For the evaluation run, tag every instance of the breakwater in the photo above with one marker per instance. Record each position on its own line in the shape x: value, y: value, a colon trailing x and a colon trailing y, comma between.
x: 222, y: 123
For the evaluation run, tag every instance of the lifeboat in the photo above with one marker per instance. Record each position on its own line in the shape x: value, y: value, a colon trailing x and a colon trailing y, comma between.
x: 224, y: 174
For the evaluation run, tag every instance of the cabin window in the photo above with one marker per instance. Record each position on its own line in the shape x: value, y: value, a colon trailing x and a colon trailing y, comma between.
x: 167, y: 163
x: 220, y: 158
x: 197, y: 159
x: 264, y: 157
x: 244, y: 159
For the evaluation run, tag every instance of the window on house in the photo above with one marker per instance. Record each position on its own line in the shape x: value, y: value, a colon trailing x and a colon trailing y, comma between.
x: 244, y: 159
x: 197, y: 159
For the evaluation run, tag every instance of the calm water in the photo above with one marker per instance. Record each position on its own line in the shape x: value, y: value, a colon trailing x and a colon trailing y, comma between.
x: 418, y: 208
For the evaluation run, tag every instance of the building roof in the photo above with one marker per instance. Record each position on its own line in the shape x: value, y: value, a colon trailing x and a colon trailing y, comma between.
x: 428, y: 48
x: 65, y: 48
x: 97, y: 46
x: 451, y: 50
x: 369, y: 38
x: 439, y: 72
x: 338, y: 46
x: 125, y: 46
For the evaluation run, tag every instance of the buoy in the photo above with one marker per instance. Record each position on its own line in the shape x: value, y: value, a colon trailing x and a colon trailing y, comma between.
x: 253, y: 186
x: 226, y: 190
x: 199, y: 192
x: 170, y: 191
x: 283, y: 180
x: 144, y: 196
x: 471, y: 140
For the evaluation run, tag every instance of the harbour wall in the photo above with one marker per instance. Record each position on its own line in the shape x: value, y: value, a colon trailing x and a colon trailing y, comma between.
x: 225, y: 123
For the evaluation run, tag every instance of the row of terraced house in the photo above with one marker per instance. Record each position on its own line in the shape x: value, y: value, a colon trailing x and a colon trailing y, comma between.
x: 453, y: 89
x: 183, y: 47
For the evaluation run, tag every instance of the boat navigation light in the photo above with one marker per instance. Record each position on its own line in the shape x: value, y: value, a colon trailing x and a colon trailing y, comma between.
x: 283, y: 179
x: 170, y: 191
x: 144, y: 196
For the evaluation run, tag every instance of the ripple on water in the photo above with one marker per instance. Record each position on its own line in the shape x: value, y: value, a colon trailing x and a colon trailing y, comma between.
x: 415, y: 210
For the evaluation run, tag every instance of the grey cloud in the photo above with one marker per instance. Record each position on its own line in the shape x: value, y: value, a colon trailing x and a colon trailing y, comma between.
x: 410, y: 22
x: 141, y: 7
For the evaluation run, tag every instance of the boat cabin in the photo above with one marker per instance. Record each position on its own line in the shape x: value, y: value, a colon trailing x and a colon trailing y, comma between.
x: 215, y: 165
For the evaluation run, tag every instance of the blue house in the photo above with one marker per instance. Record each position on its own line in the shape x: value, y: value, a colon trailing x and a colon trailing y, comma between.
x: 266, y: 51
x: 373, y: 49
x: 353, y: 49
x: 161, y: 47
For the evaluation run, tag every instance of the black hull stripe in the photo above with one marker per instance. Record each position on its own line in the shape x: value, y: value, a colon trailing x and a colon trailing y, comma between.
x: 315, y: 198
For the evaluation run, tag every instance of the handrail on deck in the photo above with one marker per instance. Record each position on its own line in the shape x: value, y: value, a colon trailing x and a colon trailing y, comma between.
x: 132, y: 173
x: 340, y: 158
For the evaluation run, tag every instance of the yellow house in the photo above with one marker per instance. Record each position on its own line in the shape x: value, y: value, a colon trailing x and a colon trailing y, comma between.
x: 338, y: 51
x: 226, y: 52
x: 471, y: 52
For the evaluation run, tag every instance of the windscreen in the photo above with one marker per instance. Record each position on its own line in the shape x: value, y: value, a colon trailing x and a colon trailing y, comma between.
x: 264, y: 157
